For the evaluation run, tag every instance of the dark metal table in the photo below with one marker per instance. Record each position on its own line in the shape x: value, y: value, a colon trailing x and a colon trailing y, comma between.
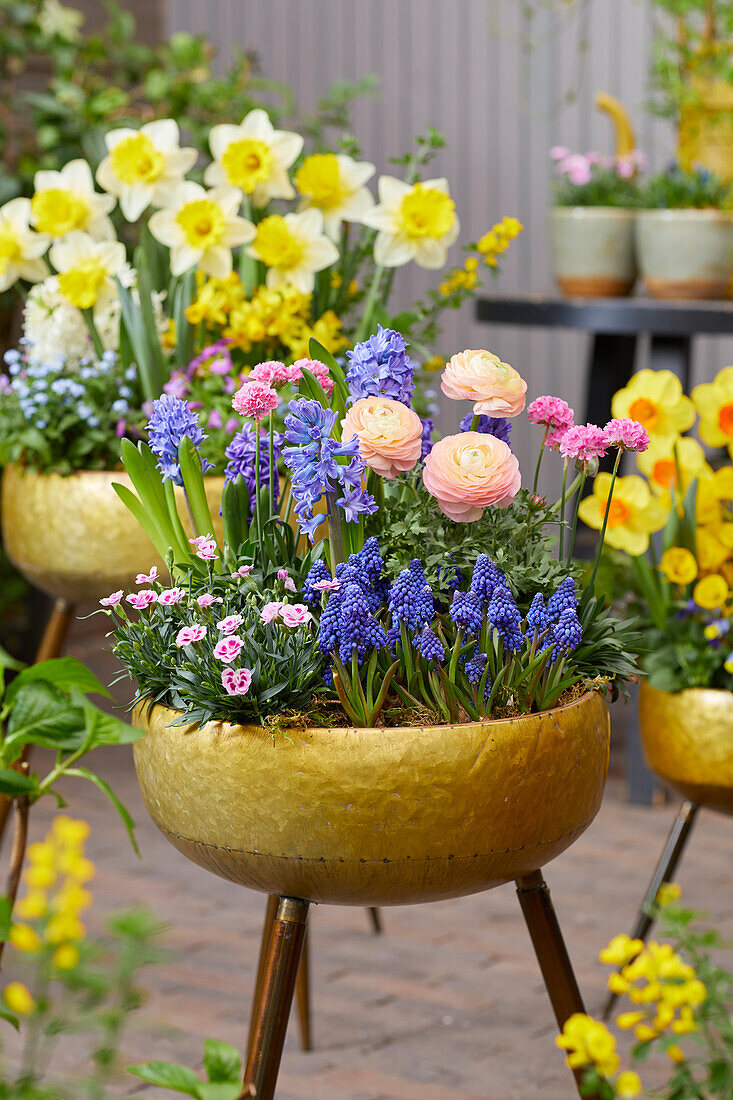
x: 615, y: 324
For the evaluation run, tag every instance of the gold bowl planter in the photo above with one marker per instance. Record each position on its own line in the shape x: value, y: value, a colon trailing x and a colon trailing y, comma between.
x: 72, y: 537
x: 687, y: 738
x: 375, y: 816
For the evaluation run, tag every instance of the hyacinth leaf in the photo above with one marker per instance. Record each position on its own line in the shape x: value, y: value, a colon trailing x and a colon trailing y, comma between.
x: 132, y: 503
x: 235, y: 513
x: 146, y: 478
x: 179, y: 539
x: 193, y: 483
x: 309, y: 386
x: 145, y: 294
x: 131, y: 320
x: 317, y: 351
x: 184, y: 329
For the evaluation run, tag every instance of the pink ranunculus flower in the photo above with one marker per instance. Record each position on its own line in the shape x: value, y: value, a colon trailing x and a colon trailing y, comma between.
x: 230, y: 624
x: 142, y: 599
x: 468, y: 472
x: 389, y: 434
x: 295, y: 614
x: 270, y: 611
x: 236, y: 681
x: 113, y: 599
x: 553, y: 412
x: 228, y: 649
x: 148, y: 578
x: 255, y: 399
x: 187, y: 635
x: 243, y: 571
x: 317, y: 368
x: 206, y: 600
x: 627, y: 433
x: 584, y: 442
x: 495, y: 388
x: 172, y: 596
x: 207, y: 550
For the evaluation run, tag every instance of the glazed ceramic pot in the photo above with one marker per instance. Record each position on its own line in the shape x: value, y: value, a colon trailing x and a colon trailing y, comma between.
x: 375, y: 816
x: 687, y: 737
x: 592, y: 250
x: 73, y: 538
x: 685, y: 254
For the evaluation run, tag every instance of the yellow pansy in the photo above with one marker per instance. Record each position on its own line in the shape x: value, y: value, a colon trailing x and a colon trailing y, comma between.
x: 87, y: 268
x: 253, y: 157
x: 634, y: 513
x: 656, y: 400
x: 335, y: 185
x: 714, y: 402
x: 64, y: 202
x: 666, y: 457
x: 588, y: 1043
x: 20, y: 248
x: 414, y: 222
x: 628, y: 1085
x: 18, y: 998
x: 143, y: 166
x: 293, y: 247
x: 201, y: 228
x: 678, y: 565
x: 711, y: 592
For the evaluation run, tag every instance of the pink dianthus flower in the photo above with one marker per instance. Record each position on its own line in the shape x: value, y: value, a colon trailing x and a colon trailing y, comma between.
x: 142, y: 599
x: 270, y: 611
x: 189, y: 634
x: 295, y: 614
x: 147, y: 578
x: 230, y: 624
x: 227, y: 649
x: 113, y: 599
x: 236, y: 681
x: 206, y: 600
x: 172, y: 595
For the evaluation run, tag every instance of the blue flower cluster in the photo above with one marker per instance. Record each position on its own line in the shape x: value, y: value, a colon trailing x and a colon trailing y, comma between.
x: 41, y: 385
x: 241, y: 452
x: 319, y: 571
x: 170, y: 422
x: 429, y: 645
x: 380, y: 367
x: 426, y: 446
x: 312, y: 460
x: 500, y: 426
x: 348, y: 621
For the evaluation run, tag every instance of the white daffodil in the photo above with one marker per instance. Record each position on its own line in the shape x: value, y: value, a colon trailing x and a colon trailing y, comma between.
x: 144, y: 165
x: 66, y: 201
x: 414, y: 221
x: 201, y: 228
x: 335, y: 186
x: 293, y: 247
x: 20, y: 248
x: 254, y: 157
x: 86, y: 268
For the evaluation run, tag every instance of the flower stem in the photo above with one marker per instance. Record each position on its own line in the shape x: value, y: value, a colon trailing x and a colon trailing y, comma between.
x: 366, y: 317
x: 571, y: 541
x: 562, y: 508
x: 335, y: 532
x: 474, y: 421
x: 597, y: 562
x: 88, y: 315
x: 273, y: 502
x: 539, y: 460
x: 17, y: 855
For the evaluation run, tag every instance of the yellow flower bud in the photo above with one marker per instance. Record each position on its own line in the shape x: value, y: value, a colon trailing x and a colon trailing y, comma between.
x: 678, y: 565
x: 66, y: 956
x: 25, y: 938
x: 621, y: 950
x: 627, y: 1020
x: 69, y: 831
x: 353, y: 287
x: 628, y: 1085
x: 617, y: 984
x: 444, y: 289
x: 676, y: 1053
x: 644, y: 1033
x: 39, y: 877
x: 471, y: 263
x: 668, y: 892
x: 18, y: 999
x: 33, y: 906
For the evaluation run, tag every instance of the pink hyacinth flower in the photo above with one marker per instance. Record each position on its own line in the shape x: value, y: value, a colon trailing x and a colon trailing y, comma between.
x: 142, y: 599
x: 255, y: 399
x: 172, y: 596
x: 553, y: 412
x: 228, y: 649
x: 230, y: 624
x: 206, y: 600
x: 113, y: 599
x: 270, y: 611
x: 147, y: 578
x: 295, y: 614
x: 215, y: 420
x: 627, y: 433
x: 187, y: 635
x: 584, y: 442
x: 207, y: 551
x: 236, y: 681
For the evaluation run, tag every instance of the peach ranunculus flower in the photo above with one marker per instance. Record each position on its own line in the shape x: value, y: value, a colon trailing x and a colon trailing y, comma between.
x: 468, y: 472
x: 389, y: 434
x: 478, y: 376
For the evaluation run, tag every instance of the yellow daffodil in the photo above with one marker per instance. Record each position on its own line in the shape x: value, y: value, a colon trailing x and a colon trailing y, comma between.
x: 253, y: 157
x: 711, y: 592
x: 628, y: 1085
x: 711, y: 552
x: 143, y: 166
x: 634, y: 513
x: 86, y: 268
x: 656, y: 400
x: 714, y: 402
x: 714, y: 492
x: 334, y: 184
x: 293, y: 247
x: 64, y: 202
x: 18, y: 998
x: 678, y: 565
x: 414, y: 222
x: 669, y: 461
x: 621, y: 950
x: 21, y: 248
x: 201, y: 228
x: 588, y: 1043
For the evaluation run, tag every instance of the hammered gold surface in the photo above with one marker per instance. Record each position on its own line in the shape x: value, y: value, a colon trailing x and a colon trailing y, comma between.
x: 687, y: 738
x: 72, y: 537
x: 375, y: 816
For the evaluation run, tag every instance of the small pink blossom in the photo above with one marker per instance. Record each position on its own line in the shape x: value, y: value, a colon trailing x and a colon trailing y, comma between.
x: 230, y: 624
x: 120, y: 427
x: 200, y: 539
x: 255, y: 399
x: 576, y: 167
x: 559, y: 152
x: 625, y: 168
x: 148, y: 578
x: 271, y: 611
x: 317, y: 368
x: 215, y: 420
x: 270, y: 373
x: 295, y: 614
x: 288, y: 582
x: 551, y: 411
x: 555, y: 437
x: 327, y: 586
x: 231, y: 425
x: 206, y: 600
x: 113, y: 599
x: 236, y: 681
x: 207, y: 550
x: 584, y: 442
x: 187, y: 635
x: 228, y: 649
x: 172, y: 595
x: 627, y: 433
x: 142, y: 599
x: 243, y: 571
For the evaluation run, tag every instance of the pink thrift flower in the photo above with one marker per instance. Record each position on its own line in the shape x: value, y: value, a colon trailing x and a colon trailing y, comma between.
x: 215, y: 420
x: 230, y: 624
x: 206, y: 600
x: 172, y: 595
x: 236, y: 681
x: 317, y: 368
x: 584, y: 442
x: 555, y: 437
x: 207, y: 551
x: 113, y: 599
x: 270, y: 373
x: 625, y: 168
x: 577, y: 168
x: 295, y: 614
x: 626, y: 433
x: 243, y: 571
x: 228, y: 649
x: 327, y: 586
x: 271, y: 611
x: 187, y: 635
x: 147, y: 578
x: 553, y: 412
x: 559, y: 152
x: 255, y: 399
x: 142, y: 599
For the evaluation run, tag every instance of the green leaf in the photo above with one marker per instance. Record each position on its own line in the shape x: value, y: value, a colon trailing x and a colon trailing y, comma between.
x: 13, y: 783
x: 106, y: 729
x: 6, y: 1014
x: 317, y: 351
x: 132, y: 503
x: 193, y: 483
x: 235, y: 512
x: 222, y: 1061
x: 220, y: 1090
x: 145, y: 294
x: 86, y: 773
x: 6, y: 661
x: 184, y: 329
x: 42, y: 716
x: 64, y: 672
x: 168, y: 1075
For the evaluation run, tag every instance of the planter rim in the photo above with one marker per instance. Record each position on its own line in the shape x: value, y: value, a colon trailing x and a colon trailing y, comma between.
x: 683, y: 213
x: 589, y: 211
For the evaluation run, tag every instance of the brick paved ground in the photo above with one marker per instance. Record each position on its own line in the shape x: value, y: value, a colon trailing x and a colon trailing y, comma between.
x: 446, y: 1005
